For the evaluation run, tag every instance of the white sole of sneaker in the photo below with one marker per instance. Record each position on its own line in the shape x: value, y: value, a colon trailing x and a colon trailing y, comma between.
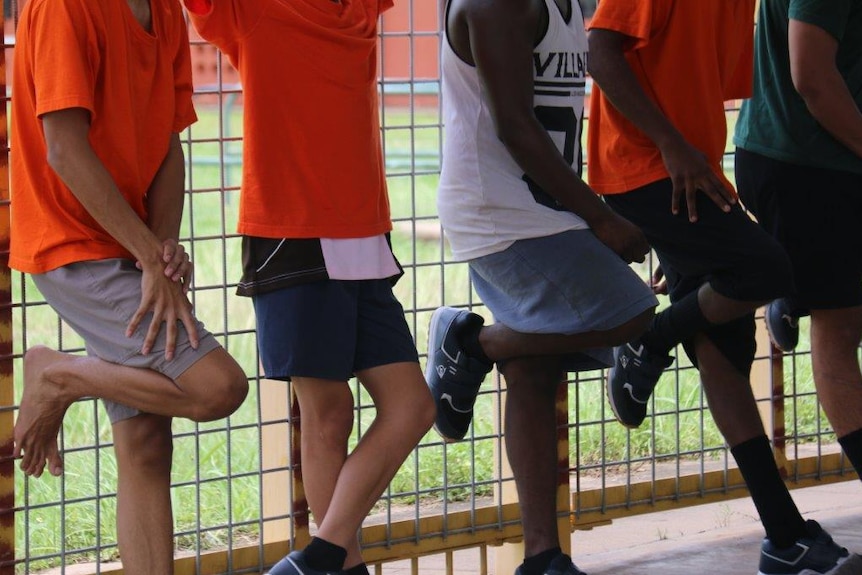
x: 610, y: 392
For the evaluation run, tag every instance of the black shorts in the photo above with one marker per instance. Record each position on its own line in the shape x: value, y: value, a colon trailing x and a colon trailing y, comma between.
x: 727, y: 250
x: 815, y: 213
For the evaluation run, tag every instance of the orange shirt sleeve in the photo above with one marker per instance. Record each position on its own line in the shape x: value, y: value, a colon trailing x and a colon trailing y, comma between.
x: 184, y: 114
x: 223, y: 22
x: 65, y: 57
x: 641, y: 20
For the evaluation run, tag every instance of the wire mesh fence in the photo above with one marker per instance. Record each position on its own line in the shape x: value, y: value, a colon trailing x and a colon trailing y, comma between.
x: 236, y: 488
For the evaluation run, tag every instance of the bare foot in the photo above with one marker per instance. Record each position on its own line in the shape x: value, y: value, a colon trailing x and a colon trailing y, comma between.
x: 40, y: 415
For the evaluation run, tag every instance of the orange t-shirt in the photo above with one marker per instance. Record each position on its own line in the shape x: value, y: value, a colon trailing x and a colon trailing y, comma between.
x: 312, y: 159
x: 137, y: 87
x: 689, y: 56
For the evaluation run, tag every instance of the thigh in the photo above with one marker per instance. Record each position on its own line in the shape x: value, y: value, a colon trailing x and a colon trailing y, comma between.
x: 566, y: 283
x: 729, y: 250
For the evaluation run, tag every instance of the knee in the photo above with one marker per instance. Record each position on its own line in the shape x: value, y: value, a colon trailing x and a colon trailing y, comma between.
x: 144, y: 445
x: 413, y: 411
x: 772, y: 269
x: 330, y: 429
x: 225, y: 392
x: 533, y: 375
x: 632, y: 329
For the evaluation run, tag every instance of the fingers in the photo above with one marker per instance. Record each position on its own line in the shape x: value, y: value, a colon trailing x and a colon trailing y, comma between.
x: 691, y: 202
x: 678, y: 190
x: 187, y: 277
x: 136, y: 320
x: 191, y: 326
x: 177, y: 262
x: 719, y: 194
x: 153, y: 333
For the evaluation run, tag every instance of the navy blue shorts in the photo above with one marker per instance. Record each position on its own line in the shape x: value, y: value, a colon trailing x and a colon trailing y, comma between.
x: 331, y: 329
x: 728, y: 250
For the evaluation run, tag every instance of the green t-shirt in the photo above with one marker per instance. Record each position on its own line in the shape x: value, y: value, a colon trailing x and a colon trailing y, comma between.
x: 775, y: 122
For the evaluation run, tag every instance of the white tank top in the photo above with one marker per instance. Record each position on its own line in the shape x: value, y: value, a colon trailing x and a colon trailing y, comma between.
x: 485, y: 200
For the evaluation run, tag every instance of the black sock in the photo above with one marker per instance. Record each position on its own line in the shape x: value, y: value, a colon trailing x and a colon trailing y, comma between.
x: 468, y: 337
x: 361, y: 569
x: 538, y: 564
x: 676, y: 324
x: 778, y: 513
x: 852, y: 446
x: 321, y: 555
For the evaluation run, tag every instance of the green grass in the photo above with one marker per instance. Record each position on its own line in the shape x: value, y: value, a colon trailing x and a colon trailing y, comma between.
x: 216, y: 465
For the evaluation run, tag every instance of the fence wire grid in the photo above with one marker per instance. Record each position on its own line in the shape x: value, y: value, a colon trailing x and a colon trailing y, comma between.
x: 237, y: 499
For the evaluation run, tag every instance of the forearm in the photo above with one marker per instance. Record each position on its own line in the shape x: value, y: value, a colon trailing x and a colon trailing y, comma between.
x: 75, y: 162
x: 818, y: 81
x: 165, y: 196
x: 611, y: 71
x: 832, y: 105
x: 535, y: 152
x: 93, y: 186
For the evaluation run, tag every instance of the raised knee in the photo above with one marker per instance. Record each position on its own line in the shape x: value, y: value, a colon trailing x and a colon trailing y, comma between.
x: 223, y: 396
x: 632, y: 329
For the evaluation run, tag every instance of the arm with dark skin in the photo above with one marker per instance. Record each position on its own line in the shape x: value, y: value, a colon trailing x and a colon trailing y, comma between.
x: 817, y: 79
x: 76, y: 163
x: 688, y: 168
x: 498, y: 37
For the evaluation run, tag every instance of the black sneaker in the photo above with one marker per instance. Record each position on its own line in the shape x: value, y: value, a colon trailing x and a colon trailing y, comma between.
x: 560, y: 565
x: 631, y: 380
x: 453, y: 377
x: 782, y: 324
x: 814, y: 554
x: 294, y: 564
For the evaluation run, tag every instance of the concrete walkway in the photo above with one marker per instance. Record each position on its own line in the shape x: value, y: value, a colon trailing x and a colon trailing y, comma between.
x: 711, y: 539
x: 718, y: 538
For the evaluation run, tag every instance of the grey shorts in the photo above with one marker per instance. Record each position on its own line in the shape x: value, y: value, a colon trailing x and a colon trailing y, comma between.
x: 566, y: 283
x: 97, y: 299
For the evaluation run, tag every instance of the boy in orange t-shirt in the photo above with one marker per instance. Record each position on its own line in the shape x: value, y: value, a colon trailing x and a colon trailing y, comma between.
x: 101, y: 91
x: 657, y: 135
x: 314, y: 215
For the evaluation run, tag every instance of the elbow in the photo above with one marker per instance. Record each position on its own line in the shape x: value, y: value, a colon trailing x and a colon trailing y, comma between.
x: 58, y: 156
x: 807, y: 88
x: 507, y: 134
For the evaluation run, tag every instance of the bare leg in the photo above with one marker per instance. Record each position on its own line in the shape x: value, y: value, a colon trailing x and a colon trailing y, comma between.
x: 211, y: 389
x: 326, y: 409
x: 143, y: 445
x: 531, y: 444
x: 500, y: 342
x: 835, y: 337
x: 719, y: 309
x: 405, y: 412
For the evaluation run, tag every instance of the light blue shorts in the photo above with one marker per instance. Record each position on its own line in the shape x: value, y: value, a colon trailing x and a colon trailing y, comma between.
x: 566, y: 283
